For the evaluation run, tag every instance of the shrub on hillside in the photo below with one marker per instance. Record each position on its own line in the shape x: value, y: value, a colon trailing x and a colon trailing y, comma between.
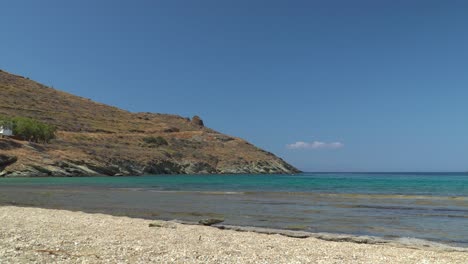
x: 5, y: 122
x: 29, y: 129
x: 155, y: 141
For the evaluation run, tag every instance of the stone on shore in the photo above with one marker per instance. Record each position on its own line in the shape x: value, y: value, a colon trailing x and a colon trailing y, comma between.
x: 211, y: 221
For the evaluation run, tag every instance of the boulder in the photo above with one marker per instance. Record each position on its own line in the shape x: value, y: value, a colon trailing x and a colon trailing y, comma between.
x: 199, y: 168
x: 210, y: 221
x: 6, y: 160
x: 196, y: 120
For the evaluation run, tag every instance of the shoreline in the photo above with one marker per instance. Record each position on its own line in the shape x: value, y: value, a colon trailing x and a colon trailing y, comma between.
x: 35, y: 234
x: 282, y: 219
x: 407, y: 242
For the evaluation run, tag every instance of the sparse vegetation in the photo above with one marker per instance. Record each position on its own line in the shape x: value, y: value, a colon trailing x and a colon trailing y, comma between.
x: 29, y: 129
x: 105, y: 136
x: 155, y: 141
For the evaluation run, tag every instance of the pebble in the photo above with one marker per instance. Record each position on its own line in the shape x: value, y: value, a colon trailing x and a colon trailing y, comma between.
x: 33, y: 235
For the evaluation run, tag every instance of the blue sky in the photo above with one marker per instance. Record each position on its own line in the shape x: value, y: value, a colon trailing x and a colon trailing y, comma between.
x: 327, y: 85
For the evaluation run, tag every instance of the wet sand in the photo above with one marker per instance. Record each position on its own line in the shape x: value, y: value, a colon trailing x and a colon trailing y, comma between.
x: 46, y: 235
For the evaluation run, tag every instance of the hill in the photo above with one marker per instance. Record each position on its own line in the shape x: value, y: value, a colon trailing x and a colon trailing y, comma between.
x: 97, y: 139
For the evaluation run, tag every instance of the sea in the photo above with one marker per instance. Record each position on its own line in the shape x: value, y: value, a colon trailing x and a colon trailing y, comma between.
x: 424, y: 206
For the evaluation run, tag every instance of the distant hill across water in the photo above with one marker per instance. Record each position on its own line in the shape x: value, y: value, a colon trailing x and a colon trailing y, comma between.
x: 98, y: 139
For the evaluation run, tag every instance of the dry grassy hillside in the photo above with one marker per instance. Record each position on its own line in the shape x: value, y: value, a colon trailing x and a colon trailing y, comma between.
x: 23, y: 97
x: 96, y: 139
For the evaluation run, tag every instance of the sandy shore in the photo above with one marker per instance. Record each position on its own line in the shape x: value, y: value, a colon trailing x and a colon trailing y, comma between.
x: 44, y: 236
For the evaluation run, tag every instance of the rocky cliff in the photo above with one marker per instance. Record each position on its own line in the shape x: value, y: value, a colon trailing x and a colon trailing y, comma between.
x: 97, y: 139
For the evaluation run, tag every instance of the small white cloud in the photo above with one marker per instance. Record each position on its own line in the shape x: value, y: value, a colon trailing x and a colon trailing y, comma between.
x: 315, y: 145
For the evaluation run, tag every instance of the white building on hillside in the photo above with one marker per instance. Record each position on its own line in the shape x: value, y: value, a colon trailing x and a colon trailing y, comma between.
x: 5, y: 131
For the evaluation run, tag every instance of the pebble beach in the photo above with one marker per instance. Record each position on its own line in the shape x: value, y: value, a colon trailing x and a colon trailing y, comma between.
x: 33, y: 235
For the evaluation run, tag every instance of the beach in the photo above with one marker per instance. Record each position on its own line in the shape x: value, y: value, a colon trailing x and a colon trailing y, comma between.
x: 419, y: 208
x: 59, y: 236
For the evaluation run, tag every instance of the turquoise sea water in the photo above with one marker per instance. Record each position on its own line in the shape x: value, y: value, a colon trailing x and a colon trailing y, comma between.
x: 430, y: 206
x: 433, y: 184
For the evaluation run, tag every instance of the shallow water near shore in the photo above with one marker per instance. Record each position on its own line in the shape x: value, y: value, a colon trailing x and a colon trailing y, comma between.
x: 429, y: 206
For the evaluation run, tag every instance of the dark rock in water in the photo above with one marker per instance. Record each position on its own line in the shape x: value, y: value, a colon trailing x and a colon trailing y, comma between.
x: 196, y: 120
x: 211, y: 221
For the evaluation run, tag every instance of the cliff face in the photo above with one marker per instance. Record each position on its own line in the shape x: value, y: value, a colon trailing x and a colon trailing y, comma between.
x: 97, y: 139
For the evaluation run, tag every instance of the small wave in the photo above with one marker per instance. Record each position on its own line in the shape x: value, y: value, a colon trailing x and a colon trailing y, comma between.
x: 187, y: 192
x: 396, y: 196
x: 389, y: 207
x: 405, y: 241
x: 221, y: 193
x: 358, y: 195
x: 422, y: 198
x: 409, y: 241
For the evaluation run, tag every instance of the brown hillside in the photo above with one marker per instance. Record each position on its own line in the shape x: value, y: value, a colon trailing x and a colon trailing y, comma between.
x: 97, y: 139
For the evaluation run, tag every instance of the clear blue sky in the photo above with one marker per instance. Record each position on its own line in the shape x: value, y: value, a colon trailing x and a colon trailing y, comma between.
x: 349, y: 85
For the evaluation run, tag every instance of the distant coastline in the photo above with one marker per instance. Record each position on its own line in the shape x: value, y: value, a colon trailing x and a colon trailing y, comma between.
x: 64, y: 135
x: 389, y: 172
